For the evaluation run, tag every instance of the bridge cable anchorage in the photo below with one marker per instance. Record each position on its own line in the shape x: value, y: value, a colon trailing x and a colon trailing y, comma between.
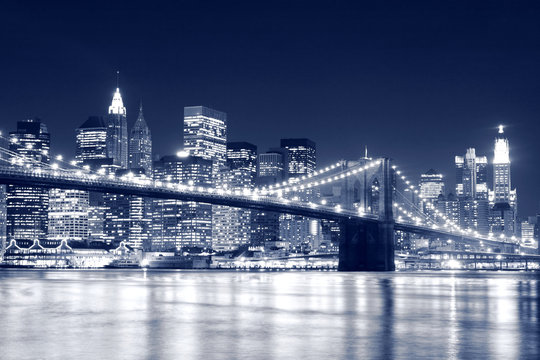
x: 437, y: 213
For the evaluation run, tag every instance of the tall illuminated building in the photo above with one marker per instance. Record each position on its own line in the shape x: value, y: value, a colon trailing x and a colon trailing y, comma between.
x: 300, y: 159
x: 27, y: 206
x: 140, y: 161
x: 502, y: 198
x: 205, y: 134
x: 431, y: 186
x: 265, y: 224
x: 177, y: 224
x: 472, y: 191
x: 231, y: 226
x: 117, y: 133
x: 91, y: 139
x: 140, y: 145
x: 68, y: 215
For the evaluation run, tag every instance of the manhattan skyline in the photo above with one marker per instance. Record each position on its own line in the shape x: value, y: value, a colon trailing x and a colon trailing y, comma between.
x: 448, y: 93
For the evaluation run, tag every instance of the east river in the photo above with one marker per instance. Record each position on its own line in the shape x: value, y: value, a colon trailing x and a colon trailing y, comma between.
x: 136, y: 314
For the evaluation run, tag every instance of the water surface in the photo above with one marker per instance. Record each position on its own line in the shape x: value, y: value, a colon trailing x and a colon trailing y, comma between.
x: 135, y: 314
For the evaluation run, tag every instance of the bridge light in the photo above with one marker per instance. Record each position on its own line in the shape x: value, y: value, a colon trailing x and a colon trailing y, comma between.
x: 86, y: 167
x: 59, y: 157
x: 323, y: 201
x: 54, y: 166
x: 73, y: 163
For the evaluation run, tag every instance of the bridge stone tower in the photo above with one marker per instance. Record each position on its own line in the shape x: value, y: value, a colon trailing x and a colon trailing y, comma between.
x: 369, y: 245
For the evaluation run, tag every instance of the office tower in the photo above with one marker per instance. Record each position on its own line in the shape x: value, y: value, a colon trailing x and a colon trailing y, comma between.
x: 449, y: 206
x: 116, y: 218
x: 27, y: 206
x: 301, y: 160
x: 242, y: 155
x: 96, y: 218
x: 301, y: 156
x: 271, y: 167
x: 528, y: 238
x: 231, y: 226
x: 472, y: 191
x: 68, y: 215
x: 177, y: 224
x: 471, y: 175
x: 117, y: 134
x: 431, y: 186
x: 140, y: 161
x: 140, y: 145
x: 503, y: 199
x: 265, y: 224
x: 205, y: 134
x: 91, y: 139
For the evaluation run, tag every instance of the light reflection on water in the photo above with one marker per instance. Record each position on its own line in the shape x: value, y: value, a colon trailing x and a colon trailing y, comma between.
x: 266, y: 315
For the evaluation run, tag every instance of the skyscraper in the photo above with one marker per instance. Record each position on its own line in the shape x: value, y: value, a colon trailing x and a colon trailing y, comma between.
x: 117, y: 134
x: 301, y: 156
x: 431, y: 186
x: 27, y: 206
x: 242, y: 155
x: 265, y: 224
x: 301, y: 160
x: 4, y: 145
x: 175, y: 223
x: 205, y: 134
x: 91, y: 139
x: 503, y: 199
x: 140, y: 145
x: 472, y: 191
x: 231, y: 226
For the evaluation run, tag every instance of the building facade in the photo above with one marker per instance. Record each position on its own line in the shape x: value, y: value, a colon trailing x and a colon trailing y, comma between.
x: 27, y: 207
x: 140, y: 145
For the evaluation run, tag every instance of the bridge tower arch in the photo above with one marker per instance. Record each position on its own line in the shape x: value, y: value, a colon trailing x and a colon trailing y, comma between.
x: 369, y: 245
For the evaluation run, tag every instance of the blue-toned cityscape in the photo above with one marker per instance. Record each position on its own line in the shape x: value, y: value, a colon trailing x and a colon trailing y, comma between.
x: 221, y: 204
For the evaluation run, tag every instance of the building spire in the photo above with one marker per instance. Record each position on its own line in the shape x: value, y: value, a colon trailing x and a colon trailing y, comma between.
x: 117, y: 105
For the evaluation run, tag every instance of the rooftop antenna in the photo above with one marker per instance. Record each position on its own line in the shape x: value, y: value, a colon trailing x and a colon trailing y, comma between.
x: 117, y: 78
x: 365, y: 151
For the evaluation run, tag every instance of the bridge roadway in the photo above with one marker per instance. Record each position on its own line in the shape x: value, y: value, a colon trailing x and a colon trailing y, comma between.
x: 63, y: 179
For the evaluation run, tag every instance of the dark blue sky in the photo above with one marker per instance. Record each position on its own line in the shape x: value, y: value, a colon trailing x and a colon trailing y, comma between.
x: 417, y: 81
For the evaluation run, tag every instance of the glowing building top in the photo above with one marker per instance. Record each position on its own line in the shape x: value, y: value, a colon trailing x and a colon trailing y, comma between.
x: 117, y: 105
x: 502, y: 151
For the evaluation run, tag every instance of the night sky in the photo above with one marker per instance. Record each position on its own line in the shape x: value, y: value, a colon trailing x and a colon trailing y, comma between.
x: 419, y: 82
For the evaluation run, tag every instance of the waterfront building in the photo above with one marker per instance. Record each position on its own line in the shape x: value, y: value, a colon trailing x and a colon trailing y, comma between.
x: 27, y: 206
x: 140, y: 145
x: 528, y: 238
x: 301, y: 160
x: 68, y: 215
x: 177, y: 224
x: 265, y: 224
x: 231, y: 226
